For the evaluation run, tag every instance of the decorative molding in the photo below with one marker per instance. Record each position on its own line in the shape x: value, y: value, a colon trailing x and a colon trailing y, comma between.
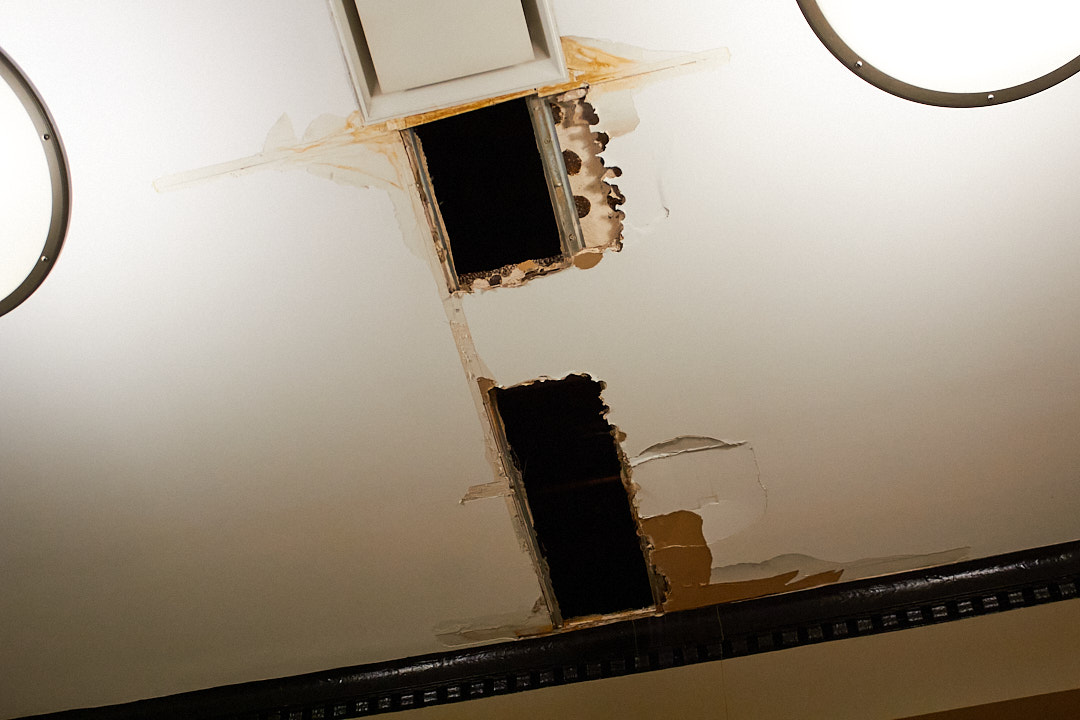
x: 844, y: 610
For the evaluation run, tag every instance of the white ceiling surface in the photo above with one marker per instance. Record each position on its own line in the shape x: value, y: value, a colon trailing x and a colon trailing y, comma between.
x: 883, y: 298
x: 234, y: 428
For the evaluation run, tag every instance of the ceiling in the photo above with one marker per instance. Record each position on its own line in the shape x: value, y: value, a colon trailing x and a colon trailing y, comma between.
x: 235, y: 426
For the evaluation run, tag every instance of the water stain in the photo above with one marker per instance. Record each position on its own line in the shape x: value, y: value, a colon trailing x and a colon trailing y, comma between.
x: 682, y: 556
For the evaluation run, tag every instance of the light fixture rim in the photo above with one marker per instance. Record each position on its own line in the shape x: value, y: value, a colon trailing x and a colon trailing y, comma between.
x: 59, y: 175
x: 859, y: 66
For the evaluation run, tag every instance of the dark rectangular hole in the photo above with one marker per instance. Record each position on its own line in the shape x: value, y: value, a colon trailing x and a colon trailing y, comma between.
x: 488, y: 180
x: 565, y: 452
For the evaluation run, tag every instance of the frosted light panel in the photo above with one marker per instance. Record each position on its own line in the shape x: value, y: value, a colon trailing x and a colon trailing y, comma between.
x: 959, y: 45
x: 414, y: 43
x: 25, y: 193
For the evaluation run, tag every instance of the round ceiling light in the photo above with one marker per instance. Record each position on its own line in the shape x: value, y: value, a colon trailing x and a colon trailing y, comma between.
x: 35, y: 198
x: 952, y: 53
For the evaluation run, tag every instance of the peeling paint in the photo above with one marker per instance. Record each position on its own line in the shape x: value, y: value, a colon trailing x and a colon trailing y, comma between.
x: 504, y: 626
x: 804, y: 565
x: 680, y: 445
x: 516, y: 626
x: 493, y: 489
x: 694, y: 491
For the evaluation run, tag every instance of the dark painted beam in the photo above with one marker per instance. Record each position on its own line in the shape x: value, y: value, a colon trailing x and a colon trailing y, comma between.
x: 834, y: 612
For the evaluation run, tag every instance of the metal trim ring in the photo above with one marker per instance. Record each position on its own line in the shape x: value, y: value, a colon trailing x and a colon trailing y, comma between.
x: 856, y: 64
x: 58, y: 173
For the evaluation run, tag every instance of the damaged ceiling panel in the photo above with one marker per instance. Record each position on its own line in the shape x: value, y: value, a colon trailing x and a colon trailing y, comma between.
x: 247, y: 427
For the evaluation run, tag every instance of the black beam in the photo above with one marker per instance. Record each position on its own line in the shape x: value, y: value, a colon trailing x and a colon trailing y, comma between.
x: 833, y: 612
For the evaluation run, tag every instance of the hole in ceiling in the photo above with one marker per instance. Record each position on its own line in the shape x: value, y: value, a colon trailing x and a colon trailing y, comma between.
x: 566, y: 455
x: 498, y: 188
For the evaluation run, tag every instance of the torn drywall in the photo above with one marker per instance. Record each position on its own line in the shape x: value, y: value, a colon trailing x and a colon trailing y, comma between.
x: 596, y: 198
x: 495, y: 232
x: 569, y: 469
x: 493, y: 489
x: 718, y: 479
x: 804, y: 565
x: 694, y: 491
x: 680, y: 445
x: 512, y: 275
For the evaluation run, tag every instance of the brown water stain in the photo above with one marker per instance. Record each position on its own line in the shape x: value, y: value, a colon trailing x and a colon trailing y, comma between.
x: 582, y: 205
x: 680, y: 554
x: 571, y: 159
